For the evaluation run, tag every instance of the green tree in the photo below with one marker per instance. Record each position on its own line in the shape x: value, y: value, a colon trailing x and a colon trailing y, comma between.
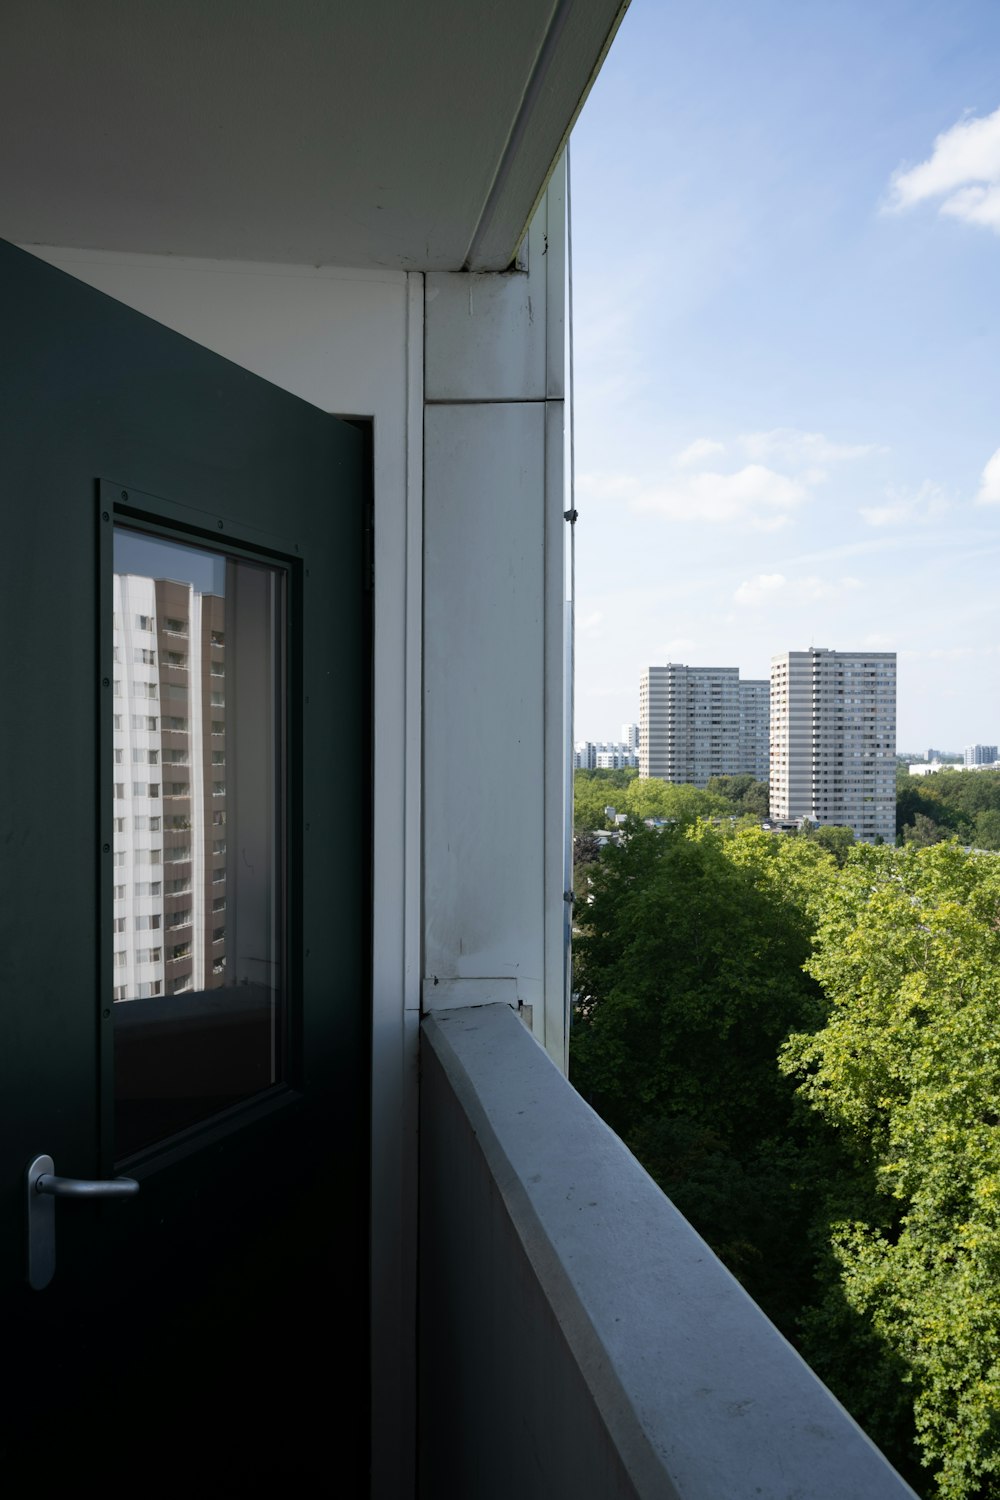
x: 952, y: 800
x: 595, y: 790
x: 649, y: 797
x: 836, y: 840
x: 923, y: 832
x: 907, y: 1070
x: 688, y: 971
x: 987, y: 830
x: 746, y: 796
x: 586, y: 849
x: 590, y: 797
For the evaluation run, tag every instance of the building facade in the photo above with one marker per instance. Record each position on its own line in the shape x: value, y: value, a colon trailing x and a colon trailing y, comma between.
x: 755, y: 718
x: 169, y: 788
x: 833, y: 739
x: 980, y: 755
x: 697, y: 722
x: 599, y: 755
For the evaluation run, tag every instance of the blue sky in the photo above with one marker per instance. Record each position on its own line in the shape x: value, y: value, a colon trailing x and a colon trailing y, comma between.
x: 786, y: 261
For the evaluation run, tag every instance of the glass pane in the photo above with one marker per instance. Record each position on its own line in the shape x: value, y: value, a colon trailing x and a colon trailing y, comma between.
x: 199, y: 888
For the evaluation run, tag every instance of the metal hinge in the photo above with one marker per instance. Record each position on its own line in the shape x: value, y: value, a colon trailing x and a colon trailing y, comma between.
x: 570, y: 516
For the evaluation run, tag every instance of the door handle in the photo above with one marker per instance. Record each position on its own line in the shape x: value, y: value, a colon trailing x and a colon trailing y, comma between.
x: 42, y: 1187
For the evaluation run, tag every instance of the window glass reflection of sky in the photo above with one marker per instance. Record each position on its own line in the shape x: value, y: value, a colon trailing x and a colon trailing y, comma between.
x: 151, y: 557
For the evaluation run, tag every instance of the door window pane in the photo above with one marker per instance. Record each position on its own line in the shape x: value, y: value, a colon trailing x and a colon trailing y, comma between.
x: 199, y: 1021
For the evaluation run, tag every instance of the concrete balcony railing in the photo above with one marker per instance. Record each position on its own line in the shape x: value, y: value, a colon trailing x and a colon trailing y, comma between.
x: 577, y: 1337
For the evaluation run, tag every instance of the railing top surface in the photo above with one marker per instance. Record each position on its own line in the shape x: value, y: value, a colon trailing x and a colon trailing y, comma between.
x: 703, y: 1396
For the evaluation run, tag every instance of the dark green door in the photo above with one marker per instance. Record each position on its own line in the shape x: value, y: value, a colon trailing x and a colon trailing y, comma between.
x: 185, y: 905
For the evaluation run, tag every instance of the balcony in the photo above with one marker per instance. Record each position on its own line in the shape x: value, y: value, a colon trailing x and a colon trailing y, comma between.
x: 577, y: 1337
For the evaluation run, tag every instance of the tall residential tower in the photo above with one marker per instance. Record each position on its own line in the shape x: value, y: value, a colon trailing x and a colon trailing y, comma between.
x: 833, y: 739
x: 697, y: 722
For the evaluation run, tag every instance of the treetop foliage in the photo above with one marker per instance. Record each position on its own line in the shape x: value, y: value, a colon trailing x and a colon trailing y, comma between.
x: 907, y: 1068
x: 650, y: 797
x: 804, y: 1050
x: 689, y: 975
x: 949, y: 804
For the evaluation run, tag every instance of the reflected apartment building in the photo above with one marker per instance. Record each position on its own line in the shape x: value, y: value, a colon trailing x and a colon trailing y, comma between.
x: 169, y: 788
x: 200, y: 848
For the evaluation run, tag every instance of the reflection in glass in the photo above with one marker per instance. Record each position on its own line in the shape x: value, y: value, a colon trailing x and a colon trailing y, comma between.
x: 198, y: 887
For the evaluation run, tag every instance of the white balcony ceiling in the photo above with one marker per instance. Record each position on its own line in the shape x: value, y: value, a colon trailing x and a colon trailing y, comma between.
x: 409, y: 133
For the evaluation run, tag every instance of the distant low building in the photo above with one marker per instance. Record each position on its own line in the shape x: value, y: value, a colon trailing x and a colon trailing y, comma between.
x: 929, y: 767
x: 615, y: 758
x: 604, y: 755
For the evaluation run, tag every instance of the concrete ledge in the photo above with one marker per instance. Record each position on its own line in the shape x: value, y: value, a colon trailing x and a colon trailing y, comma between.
x: 577, y: 1336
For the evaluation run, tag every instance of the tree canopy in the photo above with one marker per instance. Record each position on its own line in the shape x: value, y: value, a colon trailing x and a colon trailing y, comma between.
x: 960, y: 804
x: 651, y: 797
x: 803, y: 1047
x: 746, y: 796
x: 907, y: 1068
x: 689, y: 973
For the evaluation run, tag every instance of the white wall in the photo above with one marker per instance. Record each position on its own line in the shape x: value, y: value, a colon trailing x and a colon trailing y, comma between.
x: 495, y: 734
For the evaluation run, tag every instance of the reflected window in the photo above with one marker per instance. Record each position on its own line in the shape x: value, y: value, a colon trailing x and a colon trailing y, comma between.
x: 199, y: 1022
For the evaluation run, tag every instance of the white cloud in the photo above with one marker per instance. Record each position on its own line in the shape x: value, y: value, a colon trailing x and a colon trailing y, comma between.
x: 589, y: 624
x: 755, y: 495
x: 989, y: 484
x: 757, y: 590
x: 767, y: 587
x: 601, y: 486
x: 893, y: 514
x: 789, y: 446
x: 927, y: 504
x: 698, y: 451
x: 976, y: 205
x: 947, y: 653
x: 785, y: 466
x: 963, y: 169
x: 809, y: 589
x: 915, y: 540
x: 678, y: 647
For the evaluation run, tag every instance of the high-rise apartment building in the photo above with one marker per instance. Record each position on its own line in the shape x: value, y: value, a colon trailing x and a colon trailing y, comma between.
x: 169, y: 788
x: 755, y: 718
x: 980, y: 755
x: 697, y: 722
x: 833, y: 739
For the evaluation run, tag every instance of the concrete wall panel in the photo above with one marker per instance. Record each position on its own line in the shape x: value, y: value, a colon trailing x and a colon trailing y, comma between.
x: 484, y: 688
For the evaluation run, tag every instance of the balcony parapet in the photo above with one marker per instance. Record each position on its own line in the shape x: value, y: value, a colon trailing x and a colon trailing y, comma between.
x: 577, y: 1337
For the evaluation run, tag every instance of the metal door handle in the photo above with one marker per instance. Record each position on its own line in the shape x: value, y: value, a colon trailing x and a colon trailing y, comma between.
x: 80, y: 1187
x: 42, y: 1186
